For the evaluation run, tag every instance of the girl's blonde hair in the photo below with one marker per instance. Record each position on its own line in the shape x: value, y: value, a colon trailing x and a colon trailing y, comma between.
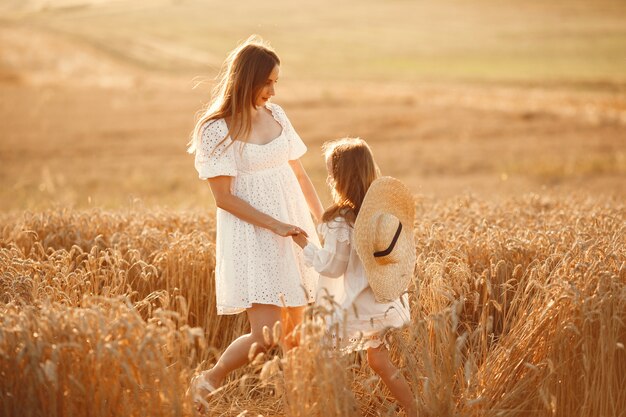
x: 243, y: 75
x: 351, y: 171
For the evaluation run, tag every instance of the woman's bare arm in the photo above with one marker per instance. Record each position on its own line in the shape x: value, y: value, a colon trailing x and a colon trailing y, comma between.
x: 220, y: 187
x: 315, y: 205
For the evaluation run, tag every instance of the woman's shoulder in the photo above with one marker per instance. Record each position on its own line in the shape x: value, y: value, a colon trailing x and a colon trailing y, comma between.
x: 213, y: 131
x: 275, y: 107
x: 214, y: 125
x: 277, y: 112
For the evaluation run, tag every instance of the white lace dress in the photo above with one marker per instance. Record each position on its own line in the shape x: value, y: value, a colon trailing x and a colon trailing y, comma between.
x: 253, y: 264
x: 342, y: 276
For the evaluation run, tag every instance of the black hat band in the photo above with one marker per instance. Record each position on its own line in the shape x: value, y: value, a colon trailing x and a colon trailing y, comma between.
x: 392, y: 245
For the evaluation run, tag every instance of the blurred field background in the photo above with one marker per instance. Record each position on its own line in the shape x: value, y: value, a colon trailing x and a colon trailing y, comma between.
x: 507, y: 119
x: 492, y: 98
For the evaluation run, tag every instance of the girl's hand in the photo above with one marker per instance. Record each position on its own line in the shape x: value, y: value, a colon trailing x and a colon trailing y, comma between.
x: 300, y: 239
x: 285, y: 229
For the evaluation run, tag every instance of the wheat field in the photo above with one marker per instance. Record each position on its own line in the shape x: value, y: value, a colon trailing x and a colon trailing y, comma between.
x: 518, y: 308
x: 506, y: 119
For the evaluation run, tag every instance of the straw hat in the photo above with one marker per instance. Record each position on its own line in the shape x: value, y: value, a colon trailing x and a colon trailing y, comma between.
x: 383, y: 238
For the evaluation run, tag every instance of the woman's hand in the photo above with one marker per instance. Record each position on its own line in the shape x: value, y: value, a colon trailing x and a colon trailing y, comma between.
x: 285, y: 229
x: 300, y: 239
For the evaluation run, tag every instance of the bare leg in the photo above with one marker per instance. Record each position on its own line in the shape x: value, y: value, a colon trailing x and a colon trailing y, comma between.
x: 236, y: 354
x: 378, y: 359
x: 291, y: 317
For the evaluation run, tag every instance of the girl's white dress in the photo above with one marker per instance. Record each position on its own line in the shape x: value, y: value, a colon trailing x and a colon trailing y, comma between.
x: 342, y: 276
x: 253, y: 264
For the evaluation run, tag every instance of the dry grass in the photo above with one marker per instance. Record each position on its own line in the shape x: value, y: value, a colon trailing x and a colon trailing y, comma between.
x: 100, y: 359
x: 520, y: 310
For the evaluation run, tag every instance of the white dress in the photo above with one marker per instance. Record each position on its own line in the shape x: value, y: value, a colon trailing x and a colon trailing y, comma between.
x: 343, y: 278
x: 253, y: 264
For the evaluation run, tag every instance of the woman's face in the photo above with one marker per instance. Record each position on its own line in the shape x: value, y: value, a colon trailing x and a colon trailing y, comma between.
x: 267, y: 91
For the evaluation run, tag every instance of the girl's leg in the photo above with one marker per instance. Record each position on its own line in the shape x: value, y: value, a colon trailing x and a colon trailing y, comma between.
x: 291, y: 317
x: 378, y: 359
x: 236, y: 354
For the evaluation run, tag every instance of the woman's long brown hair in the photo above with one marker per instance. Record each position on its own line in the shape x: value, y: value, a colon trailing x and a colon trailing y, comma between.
x: 243, y: 75
x: 351, y: 171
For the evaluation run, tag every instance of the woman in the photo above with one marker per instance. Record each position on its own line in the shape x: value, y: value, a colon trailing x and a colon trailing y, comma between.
x: 249, y: 152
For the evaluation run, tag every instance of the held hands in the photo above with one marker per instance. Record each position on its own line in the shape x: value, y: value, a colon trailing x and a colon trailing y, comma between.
x: 299, y: 235
x: 300, y: 239
x: 284, y: 229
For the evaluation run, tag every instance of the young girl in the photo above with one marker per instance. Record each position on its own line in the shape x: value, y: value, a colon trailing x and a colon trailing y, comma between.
x: 382, y: 248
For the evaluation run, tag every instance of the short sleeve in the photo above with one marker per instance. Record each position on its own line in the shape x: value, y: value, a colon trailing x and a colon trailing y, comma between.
x: 213, y: 156
x: 297, y: 148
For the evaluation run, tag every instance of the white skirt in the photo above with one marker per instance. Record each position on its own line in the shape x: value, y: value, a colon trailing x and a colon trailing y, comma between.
x: 253, y: 264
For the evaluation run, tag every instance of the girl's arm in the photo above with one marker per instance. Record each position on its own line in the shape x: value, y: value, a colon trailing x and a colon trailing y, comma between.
x: 331, y: 260
x: 220, y: 187
x: 315, y: 205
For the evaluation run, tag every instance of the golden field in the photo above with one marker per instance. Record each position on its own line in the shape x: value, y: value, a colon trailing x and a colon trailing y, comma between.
x: 507, y: 120
x: 518, y: 308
